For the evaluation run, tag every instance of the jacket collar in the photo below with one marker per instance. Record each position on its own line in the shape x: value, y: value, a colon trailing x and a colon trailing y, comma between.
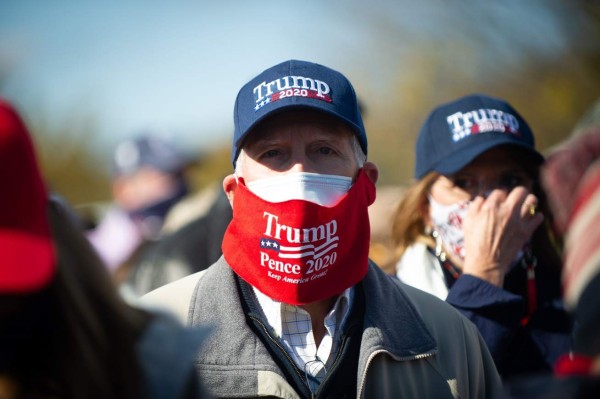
x: 391, y: 323
x: 391, y: 320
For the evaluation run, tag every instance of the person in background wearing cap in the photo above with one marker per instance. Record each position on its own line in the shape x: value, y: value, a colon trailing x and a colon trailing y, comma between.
x: 148, y: 180
x: 298, y: 309
x: 64, y: 330
x: 187, y: 246
x: 475, y: 230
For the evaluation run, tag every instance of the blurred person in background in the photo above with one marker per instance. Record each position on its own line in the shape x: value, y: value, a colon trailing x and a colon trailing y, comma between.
x: 475, y: 230
x: 299, y: 309
x: 183, y: 250
x: 64, y: 330
x: 148, y: 181
x: 571, y: 177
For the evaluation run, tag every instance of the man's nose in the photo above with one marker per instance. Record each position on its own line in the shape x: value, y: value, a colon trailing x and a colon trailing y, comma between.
x: 297, y: 167
x: 299, y: 162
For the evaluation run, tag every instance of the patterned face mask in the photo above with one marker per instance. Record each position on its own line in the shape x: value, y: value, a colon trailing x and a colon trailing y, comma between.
x: 447, y: 220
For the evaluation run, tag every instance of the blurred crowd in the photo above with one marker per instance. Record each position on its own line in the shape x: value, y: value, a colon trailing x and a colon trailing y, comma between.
x: 479, y: 279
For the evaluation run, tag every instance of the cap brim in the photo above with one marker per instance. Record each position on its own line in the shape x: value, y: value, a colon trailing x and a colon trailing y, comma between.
x: 28, y: 262
x: 296, y: 106
x: 286, y: 107
x: 459, y: 159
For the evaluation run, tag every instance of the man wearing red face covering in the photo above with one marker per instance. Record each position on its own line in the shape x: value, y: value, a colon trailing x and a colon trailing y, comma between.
x: 299, y: 310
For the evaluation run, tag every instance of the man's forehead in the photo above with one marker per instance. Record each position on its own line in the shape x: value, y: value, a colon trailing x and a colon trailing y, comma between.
x: 329, y: 127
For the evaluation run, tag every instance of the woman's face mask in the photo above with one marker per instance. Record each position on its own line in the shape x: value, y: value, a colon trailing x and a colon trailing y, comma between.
x: 447, y: 220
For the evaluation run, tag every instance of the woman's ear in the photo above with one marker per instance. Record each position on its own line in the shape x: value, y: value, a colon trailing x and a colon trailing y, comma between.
x: 229, y: 186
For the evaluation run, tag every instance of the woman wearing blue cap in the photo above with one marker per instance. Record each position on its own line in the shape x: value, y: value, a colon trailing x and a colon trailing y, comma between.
x: 474, y: 230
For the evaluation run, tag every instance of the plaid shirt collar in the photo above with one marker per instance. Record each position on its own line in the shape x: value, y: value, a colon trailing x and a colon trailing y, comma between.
x: 293, y: 326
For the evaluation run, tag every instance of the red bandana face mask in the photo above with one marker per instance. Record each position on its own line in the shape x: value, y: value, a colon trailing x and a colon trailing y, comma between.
x: 298, y: 252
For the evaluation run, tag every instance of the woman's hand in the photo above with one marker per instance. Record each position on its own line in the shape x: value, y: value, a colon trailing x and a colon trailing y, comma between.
x: 496, y: 229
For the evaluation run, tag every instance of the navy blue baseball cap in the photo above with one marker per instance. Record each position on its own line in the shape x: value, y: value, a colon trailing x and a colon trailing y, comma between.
x: 455, y: 133
x: 148, y: 149
x: 295, y: 85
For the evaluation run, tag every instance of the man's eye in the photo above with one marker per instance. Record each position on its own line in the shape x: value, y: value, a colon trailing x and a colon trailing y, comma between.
x: 326, y: 150
x: 270, y: 154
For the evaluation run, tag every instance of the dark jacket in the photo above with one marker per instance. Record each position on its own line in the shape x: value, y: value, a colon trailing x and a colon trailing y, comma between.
x: 519, y: 344
x: 166, y: 351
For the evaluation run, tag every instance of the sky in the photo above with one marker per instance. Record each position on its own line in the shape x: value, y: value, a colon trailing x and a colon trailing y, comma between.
x: 154, y: 65
x: 176, y: 66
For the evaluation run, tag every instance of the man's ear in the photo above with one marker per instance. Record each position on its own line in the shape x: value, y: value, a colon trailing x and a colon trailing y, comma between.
x: 229, y: 186
x: 371, y: 170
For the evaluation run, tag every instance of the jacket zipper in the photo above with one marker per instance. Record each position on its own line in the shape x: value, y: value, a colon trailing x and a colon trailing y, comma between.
x: 298, y: 371
x: 377, y: 352
x: 282, y: 349
x: 333, y: 366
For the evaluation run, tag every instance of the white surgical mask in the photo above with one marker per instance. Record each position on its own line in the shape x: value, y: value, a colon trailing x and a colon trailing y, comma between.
x: 325, y: 190
x: 447, y: 220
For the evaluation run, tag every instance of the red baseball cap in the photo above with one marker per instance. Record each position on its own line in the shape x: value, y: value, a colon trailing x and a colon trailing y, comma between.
x: 27, y: 260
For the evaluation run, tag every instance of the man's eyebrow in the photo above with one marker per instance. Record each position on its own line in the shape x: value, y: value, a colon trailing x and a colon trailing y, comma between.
x: 261, y: 141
